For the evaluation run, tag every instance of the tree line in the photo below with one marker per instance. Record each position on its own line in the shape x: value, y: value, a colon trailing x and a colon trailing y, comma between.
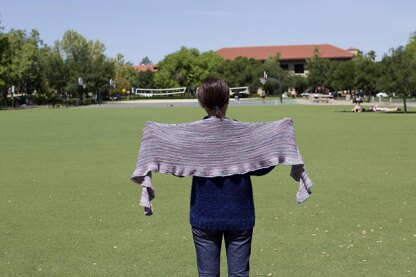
x: 43, y: 73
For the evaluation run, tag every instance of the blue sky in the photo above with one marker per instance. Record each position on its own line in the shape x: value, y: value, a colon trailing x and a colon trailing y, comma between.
x: 156, y: 28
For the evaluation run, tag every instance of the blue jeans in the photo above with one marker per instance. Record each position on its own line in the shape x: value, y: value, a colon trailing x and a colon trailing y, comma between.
x: 208, y: 251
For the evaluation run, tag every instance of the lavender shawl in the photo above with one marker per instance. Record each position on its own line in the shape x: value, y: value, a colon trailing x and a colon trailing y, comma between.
x: 215, y: 147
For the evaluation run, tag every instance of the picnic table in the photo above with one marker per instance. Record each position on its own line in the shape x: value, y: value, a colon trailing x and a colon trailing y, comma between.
x: 316, y: 98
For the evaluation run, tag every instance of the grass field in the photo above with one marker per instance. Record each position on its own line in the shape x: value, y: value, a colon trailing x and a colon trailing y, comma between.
x: 68, y: 208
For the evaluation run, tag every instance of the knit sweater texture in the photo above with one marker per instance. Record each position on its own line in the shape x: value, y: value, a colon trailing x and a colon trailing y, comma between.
x: 217, y: 148
x: 223, y: 203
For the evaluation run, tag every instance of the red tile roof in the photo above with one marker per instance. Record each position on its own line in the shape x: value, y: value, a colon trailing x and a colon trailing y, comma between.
x: 144, y: 67
x: 287, y: 52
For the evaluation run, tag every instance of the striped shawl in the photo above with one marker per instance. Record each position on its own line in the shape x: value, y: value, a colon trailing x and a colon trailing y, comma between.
x: 215, y: 147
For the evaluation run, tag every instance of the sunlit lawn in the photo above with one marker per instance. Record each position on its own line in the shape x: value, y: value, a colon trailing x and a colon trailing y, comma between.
x: 68, y: 207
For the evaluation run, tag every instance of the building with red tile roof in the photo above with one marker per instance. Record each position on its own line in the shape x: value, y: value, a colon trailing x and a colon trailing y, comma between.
x: 353, y: 51
x: 292, y: 57
x: 144, y: 67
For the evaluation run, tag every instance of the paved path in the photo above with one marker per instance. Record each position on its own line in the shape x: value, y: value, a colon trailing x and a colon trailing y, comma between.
x: 187, y: 103
x: 349, y: 103
x: 242, y: 102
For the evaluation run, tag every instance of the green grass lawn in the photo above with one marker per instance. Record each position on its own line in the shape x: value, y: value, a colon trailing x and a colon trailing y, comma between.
x: 68, y: 207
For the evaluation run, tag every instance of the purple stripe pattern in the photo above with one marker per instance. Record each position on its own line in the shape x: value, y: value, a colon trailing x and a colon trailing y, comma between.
x: 215, y: 147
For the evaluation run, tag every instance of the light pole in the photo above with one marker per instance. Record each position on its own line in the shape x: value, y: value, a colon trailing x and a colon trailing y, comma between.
x: 110, y: 84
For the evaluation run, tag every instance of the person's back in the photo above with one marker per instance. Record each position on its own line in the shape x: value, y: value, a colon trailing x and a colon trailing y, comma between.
x: 217, y: 152
x: 222, y: 203
x: 222, y: 206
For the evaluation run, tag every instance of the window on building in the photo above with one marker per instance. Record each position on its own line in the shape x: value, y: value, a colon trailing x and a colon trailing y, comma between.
x: 284, y: 66
x: 299, y: 68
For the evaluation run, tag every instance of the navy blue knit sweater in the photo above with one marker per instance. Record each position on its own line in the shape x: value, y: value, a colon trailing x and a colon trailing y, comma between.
x: 223, y: 203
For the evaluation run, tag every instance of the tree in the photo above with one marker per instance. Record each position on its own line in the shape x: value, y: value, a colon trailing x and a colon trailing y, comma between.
x: 206, y: 65
x: 175, y: 69
x: 74, y: 49
x: 272, y: 66
x: 275, y: 76
x: 5, y: 60
x: 138, y: 79
x: 125, y: 70
x: 25, y: 60
x: 343, y: 75
x: 319, y: 71
x: 146, y: 60
x: 274, y: 70
x: 144, y: 79
x: 398, y: 73
x: 53, y: 73
x: 4, y: 56
x: 122, y: 68
x: 242, y: 72
x: 366, y: 73
x: 100, y: 69
x: 123, y: 86
x: 411, y: 45
x: 187, y: 68
x: 299, y: 83
x: 85, y: 59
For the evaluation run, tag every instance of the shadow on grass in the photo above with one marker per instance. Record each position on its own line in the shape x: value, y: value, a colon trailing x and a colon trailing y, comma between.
x: 366, y: 112
x: 401, y: 112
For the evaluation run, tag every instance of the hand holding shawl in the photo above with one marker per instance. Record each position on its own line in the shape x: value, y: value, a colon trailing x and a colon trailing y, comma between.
x: 214, y: 147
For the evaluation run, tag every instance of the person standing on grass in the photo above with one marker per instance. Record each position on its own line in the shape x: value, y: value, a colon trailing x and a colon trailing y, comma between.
x: 222, y: 207
x: 218, y: 153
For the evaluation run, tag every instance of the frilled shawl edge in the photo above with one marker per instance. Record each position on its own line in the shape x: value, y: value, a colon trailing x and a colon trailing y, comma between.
x: 214, y: 147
